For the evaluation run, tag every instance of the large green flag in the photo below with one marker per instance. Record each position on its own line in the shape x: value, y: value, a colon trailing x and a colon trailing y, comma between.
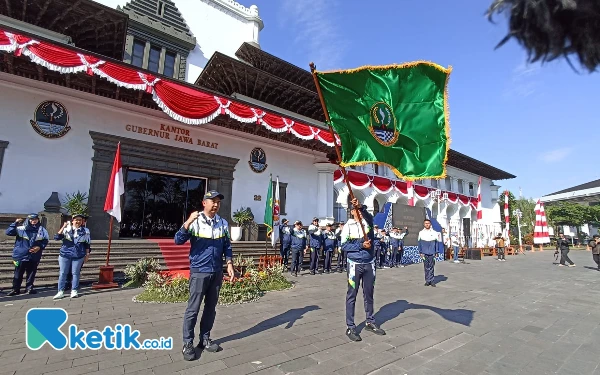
x: 269, y: 208
x: 394, y: 115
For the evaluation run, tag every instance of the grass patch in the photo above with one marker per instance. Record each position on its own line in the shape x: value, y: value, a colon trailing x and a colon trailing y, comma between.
x: 157, y: 297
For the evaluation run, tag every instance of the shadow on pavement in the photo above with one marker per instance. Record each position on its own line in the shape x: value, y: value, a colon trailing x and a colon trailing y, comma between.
x: 393, y: 310
x: 288, y: 318
x: 439, y: 279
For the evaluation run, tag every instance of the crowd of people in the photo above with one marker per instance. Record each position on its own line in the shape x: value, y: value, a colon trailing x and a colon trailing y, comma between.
x: 324, y: 243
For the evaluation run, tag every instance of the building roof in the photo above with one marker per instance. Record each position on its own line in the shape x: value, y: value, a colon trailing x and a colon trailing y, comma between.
x: 587, y: 185
x: 169, y: 14
x: 92, y: 26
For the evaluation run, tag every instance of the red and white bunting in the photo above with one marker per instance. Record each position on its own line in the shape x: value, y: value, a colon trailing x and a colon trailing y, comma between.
x: 408, y: 189
x: 540, y: 232
x: 189, y: 105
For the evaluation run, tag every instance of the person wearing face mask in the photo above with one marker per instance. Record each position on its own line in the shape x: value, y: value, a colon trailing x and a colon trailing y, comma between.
x: 31, y: 239
x: 74, y: 252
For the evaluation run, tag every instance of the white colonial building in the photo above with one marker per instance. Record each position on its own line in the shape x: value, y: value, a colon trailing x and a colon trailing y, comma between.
x: 195, y: 103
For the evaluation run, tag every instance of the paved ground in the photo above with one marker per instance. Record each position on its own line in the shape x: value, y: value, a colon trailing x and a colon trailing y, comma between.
x: 522, y: 316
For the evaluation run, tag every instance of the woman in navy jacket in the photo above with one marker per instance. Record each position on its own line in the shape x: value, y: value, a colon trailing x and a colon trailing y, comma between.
x: 74, y: 252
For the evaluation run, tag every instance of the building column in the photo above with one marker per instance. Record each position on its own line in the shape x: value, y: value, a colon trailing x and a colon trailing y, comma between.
x: 146, y: 56
x: 161, y: 61
x: 325, y: 191
x: 128, y: 49
x: 3, y: 146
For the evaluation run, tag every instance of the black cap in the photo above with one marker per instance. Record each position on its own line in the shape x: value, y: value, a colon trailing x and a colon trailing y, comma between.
x: 212, y: 195
x: 284, y: 221
x: 297, y: 222
x: 83, y: 216
x: 328, y: 224
x: 375, y: 226
x: 596, y: 235
x: 33, y: 216
x: 315, y: 219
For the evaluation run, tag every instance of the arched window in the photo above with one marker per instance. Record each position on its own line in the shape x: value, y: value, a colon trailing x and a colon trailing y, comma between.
x: 375, y: 207
x: 376, y: 169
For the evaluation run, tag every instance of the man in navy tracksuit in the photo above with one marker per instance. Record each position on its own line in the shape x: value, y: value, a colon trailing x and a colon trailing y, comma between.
x: 210, y: 242
x: 31, y: 240
x: 330, y: 243
x: 394, y: 244
x: 361, y: 268
x: 299, y: 247
x: 428, y: 244
x: 285, y: 241
x: 385, y: 246
x: 316, y: 242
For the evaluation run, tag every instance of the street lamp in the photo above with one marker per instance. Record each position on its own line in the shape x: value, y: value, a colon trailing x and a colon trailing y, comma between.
x: 518, y: 214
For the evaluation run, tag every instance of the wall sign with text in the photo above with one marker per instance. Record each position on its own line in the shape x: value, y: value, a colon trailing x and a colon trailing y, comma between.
x: 51, y: 119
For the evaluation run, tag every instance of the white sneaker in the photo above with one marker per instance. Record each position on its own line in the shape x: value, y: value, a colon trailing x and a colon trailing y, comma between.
x: 457, y: 261
x: 74, y: 294
x: 504, y: 260
x: 59, y: 295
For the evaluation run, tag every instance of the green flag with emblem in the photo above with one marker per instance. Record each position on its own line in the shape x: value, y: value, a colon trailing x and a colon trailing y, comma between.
x: 394, y: 115
x: 269, y: 208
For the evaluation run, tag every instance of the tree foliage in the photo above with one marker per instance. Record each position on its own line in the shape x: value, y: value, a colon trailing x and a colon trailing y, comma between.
x: 567, y: 213
x: 527, y: 207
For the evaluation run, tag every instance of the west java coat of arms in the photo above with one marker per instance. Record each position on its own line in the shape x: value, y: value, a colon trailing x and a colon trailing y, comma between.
x: 51, y: 119
x: 383, y: 124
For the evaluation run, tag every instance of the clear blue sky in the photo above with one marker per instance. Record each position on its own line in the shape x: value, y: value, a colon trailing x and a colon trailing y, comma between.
x: 537, y: 122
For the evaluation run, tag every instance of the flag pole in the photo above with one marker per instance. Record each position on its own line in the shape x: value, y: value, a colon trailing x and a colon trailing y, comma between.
x: 313, y: 69
x: 110, y: 229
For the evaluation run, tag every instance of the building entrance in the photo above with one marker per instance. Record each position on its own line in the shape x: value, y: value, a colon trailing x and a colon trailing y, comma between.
x: 156, y: 205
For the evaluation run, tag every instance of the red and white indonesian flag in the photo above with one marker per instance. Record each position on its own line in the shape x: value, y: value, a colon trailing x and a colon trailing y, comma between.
x: 479, y: 211
x: 276, y: 218
x: 540, y: 232
x: 506, y: 216
x: 116, y: 188
x: 411, y: 193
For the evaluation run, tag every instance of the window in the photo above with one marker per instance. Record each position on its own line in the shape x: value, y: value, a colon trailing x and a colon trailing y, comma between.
x: 137, y: 57
x: 375, y: 207
x: 160, y: 10
x: 471, y: 189
x: 169, y: 69
x: 153, y: 59
x: 376, y: 169
x: 461, y: 187
x: 339, y: 213
x: 448, y: 183
x: 282, y: 196
x: 435, y: 183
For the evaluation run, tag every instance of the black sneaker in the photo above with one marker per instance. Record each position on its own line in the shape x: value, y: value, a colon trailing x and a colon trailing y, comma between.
x: 426, y: 284
x: 188, y: 351
x: 32, y: 291
x: 210, y: 346
x: 373, y: 328
x: 296, y: 274
x: 432, y: 284
x: 340, y: 271
x: 13, y: 293
x: 353, y: 335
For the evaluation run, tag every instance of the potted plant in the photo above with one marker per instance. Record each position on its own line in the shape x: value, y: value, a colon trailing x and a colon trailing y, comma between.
x: 242, y: 217
x: 75, y: 203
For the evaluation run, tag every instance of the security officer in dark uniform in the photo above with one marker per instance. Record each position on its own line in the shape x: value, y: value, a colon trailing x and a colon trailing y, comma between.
x: 361, y: 268
x: 299, y: 248
x: 385, y: 247
x: 285, y: 241
x: 315, y: 243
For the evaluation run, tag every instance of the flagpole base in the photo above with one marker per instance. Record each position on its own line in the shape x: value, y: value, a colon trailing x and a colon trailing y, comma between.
x: 105, y: 279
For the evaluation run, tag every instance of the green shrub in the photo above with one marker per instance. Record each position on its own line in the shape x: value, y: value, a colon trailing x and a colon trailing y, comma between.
x: 164, y: 288
x: 139, y: 272
x: 239, y: 291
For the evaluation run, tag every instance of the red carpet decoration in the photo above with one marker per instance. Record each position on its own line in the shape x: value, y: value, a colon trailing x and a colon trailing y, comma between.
x: 183, y: 103
x: 176, y: 256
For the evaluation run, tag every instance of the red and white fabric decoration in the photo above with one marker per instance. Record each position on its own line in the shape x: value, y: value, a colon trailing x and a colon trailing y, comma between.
x: 116, y: 188
x: 479, y: 210
x: 540, y: 232
x: 382, y: 185
x: 506, y: 213
x: 411, y: 196
x: 183, y: 103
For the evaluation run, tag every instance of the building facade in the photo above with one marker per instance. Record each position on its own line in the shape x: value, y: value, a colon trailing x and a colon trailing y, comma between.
x: 62, y: 122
